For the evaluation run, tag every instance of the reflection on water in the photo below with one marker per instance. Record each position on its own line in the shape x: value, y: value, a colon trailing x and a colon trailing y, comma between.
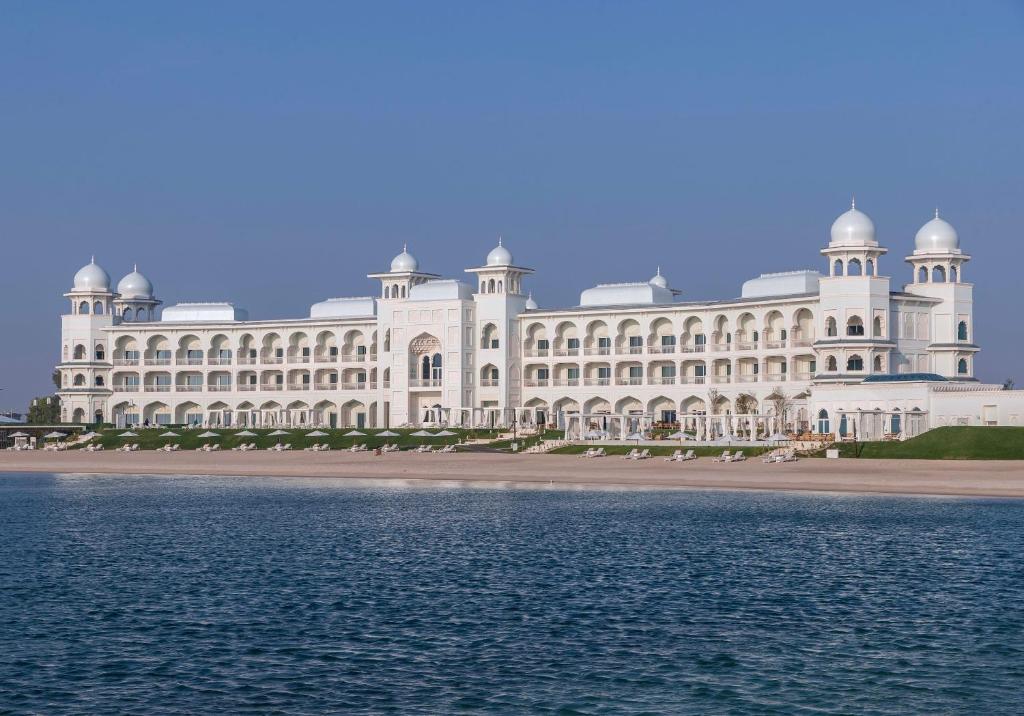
x: 195, y: 594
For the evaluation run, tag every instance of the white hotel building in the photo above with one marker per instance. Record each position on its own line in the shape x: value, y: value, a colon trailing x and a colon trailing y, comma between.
x: 843, y: 351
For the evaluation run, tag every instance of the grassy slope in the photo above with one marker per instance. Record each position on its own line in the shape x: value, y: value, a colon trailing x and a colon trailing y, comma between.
x: 149, y: 439
x: 949, y: 443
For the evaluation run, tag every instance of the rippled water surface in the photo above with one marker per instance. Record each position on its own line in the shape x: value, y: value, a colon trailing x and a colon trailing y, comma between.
x: 257, y: 595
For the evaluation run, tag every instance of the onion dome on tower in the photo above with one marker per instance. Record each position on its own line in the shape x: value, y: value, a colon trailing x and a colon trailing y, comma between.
x: 135, y: 285
x: 404, y: 262
x: 499, y: 256
x: 92, y: 277
x: 531, y: 305
x: 853, y: 228
x: 937, y: 236
x: 659, y: 280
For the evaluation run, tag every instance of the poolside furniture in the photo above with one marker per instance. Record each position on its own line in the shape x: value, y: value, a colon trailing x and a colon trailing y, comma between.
x: 631, y: 455
x: 447, y: 449
x: 675, y: 457
x: 589, y: 452
x: 738, y: 457
x: 724, y: 457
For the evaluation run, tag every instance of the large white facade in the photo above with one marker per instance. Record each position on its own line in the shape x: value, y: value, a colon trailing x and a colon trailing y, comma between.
x: 841, y: 350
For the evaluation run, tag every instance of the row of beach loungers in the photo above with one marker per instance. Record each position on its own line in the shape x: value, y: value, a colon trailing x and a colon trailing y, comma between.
x: 786, y: 455
x: 435, y: 451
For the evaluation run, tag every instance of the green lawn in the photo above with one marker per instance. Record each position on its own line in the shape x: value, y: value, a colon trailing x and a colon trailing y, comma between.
x: 149, y: 438
x: 949, y: 443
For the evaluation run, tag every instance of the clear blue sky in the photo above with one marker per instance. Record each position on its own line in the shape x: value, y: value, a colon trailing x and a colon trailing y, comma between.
x: 274, y: 153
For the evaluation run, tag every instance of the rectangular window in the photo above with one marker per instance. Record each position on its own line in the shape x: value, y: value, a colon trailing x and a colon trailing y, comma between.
x: 194, y: 354
x: 542, y: 374
x: 543, y: 344
x: 573, y: 343
x: 573, y: 374
x: 668, y: 371
x: 163, y: 355
x: 333, y: 378
x: 162, y: 380
x: 279, y: 379
x: 194, y: 380
x: 224, y: 353
x: 636, y: 372
x: 360, y: 350
x: 305, y: 351
x: 757, y: 368
x: 252, y: 353
x: 131, y: 355
x: 814, y: 366
x: 252, y: 379
x: 360, y: 377
x: 604, y: 372
x: 700, y: 370
x: 305, y: 378
x: 333, y: 351
x: 636, y: 341
x: 604, y: 342
x: 668, y: 340
x: 279, y: 352
x: 494, y: 343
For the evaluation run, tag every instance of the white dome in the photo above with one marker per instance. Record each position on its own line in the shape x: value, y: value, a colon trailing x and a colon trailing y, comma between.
x: 659, y: 280
x: 937, y: 235
x: 404, y: 262
x: 499, y: 256
x: 531, y: 305
x: 853, y: 228
x: 135, y: 285
x: 92, y: 277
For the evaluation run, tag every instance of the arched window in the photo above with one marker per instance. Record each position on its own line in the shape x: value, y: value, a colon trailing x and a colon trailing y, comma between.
x: 99, y: 381
x: 79, y: 380
x: 83, y: 307
x: 500, y: 283
x: 954, y: 275
x: 490, y: 286
x: 870, y: 267
x: 126, y: 314
x: 878, y: 364
x: 483, y: 286
x: 961, y: 366
x: 79, y: 352
x: 830, y: 327
x: 755, y: 336
x: 100, y: 353
x: 831, y: 364
x: 97, y: 308
x: 895, y: 426
x: 922, y: 274
x: 938, y: 274
x: 854, y: 326
x: 853, y: 267
x: 403, y: 292
x: 435, y: 371
x: 837, y: 268
x: 961, y: 331
x: 823, y: 422
x: 855, y: 362
x: 876, y: 327
x: 425, y: 368
x: 140, y: 314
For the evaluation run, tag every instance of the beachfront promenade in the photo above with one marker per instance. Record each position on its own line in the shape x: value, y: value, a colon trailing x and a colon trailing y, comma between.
x: 994, y: 478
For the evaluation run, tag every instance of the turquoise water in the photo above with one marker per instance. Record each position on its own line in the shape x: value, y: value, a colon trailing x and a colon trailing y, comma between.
x: 184, y: 595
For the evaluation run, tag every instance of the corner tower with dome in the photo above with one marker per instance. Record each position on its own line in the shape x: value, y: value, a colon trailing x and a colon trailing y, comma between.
x: 842, y: 351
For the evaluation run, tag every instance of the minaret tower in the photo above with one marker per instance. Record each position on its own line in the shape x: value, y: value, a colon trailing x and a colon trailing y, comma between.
x: 853, y: 335
x: 938, y: 265
x: 404, y: 274
x: 85, y: 354
x: 499, y: 300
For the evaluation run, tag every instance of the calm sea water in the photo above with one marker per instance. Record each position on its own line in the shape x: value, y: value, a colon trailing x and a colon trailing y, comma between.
x: 185, y: 595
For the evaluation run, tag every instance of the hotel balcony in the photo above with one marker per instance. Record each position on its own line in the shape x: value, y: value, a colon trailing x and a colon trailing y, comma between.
x: 536, y: 382
x: 775, y: 377
x: 630, y: 351
x: 353, y: 357
x: 185, y: 388
x: 597, y: 381
x: 774, y: 345
x: 299, y: 359
x: 219, y: 387
x: 536, y: 352
x: 326, y: 358
x: 126, y: 361
x: 626, y: 380
x: 158, y: 361
x: 425, y: 382
x: 271, y: 360
x: 220, y: 361
x: 567, y: 351
x: 693, y: 379
x: 246, y: 360
x: 188, y: 361
x: 721, y: 379
x: 654, y: 350
x: 271, y: 386
x: 489, y: 383
x: 566, y: 382
x: 663, y: 380
x: 125, y: 388
x: 354, y: 386
x: 153, y: 388
x: 721, y: 347
x: 298, y: 386
x: 746, y: 378
x: 597, y: 351
x: 325, y: 386
x: 248, y: 387
x: 746, y: 345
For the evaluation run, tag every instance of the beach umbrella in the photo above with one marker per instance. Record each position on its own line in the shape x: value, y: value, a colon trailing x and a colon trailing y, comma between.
x: 89, y: 435
x: 209, y: 434
x: 128, y: 434
x: 54, y: 434
x: 170, y: 434
x: 678, y: 435
x: 778, y: 438
x: 278, y: 432
x: 245, y: 434
x: 422, y: 434
x: 635, y: 436
x: 387, y: 434
x: 444, y: 434
x: 19, y: 435
x: 317, y: 434
x: 353, y: 433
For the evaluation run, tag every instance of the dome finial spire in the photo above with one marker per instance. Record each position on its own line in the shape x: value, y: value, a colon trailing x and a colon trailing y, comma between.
x: 853, y: 201
x: 499, y: 239
x: 936, y: 212
x: 92, y: 259
x: 135, y: 267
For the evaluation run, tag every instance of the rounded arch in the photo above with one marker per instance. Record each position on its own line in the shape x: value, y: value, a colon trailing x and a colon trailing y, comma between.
x: 823, y: 422
x: 803, y: 325
x: 837, y: 267
x: 693, y: 404
x: 922, y: 274
x: 831, y: 327
x: 939, y: 274
x: 854, y: 326
x: 831, y: 364
x: 79, y: 352
x: 962, y: 367
x: 597, y: 405
x: 629, y: 404
x: 854, y: 267
x: 855, y: 362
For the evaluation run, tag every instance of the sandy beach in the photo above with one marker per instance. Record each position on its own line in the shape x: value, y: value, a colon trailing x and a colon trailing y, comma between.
x: 918, y: 477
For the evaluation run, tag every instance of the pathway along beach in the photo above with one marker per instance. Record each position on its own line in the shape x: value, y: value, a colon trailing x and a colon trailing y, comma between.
x: 974, y: 478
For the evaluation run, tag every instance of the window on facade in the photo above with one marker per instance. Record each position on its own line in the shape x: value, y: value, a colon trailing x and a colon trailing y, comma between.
x: 279, y: 352
x: 855, y: 362
x: 961, y: 331
x: 635, y: 341
x: 573, y: 374
x: 668, y: 371
x: 813, y: 366
x: 668, y: 340
x: 79, y: 353
x: 870, y: 268
x: 83, y: 307
x: 99, y: 381
x: 954, y: 275
x: 494, y: 374
x: 922, y: 274
x: 823, y: 422
x: 855, y: 326
x: 543, y: 373
x: 543, y: 344
x: 162, y: 354
x: 830, y: 327
x: 783, y: 334
x: 961, y: 366
x: 700, y: 339
x: 831, y: 364
x: 878, y: 364
x: 435, y: 367
x: 279, y: 379
x: 700, y: 370
x: 571, y: 343
x: 757, y: 368
x: 837, y: 268
x: 938, y: 274
x: 636, y: 371
x: 853, y: 268
x: 604, y: 372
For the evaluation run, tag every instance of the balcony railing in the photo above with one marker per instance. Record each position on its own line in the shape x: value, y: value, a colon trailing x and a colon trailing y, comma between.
x: 353, y: 357
x: 271, y: 386
x: 746, y: 378
x: 693, y: 348
x: 157, y: 388
x: 536, y: 352
x: 775, y: 377
x: 774, y: 345
x: 567, y: 351
x: 721, y: 347
x: 185, y: 388
x: 597, y: 381
x: 246, y: 360
x: 220, y: 360
x: 570, y: 382
x: 298, y: 359
x: 125, y: 388
x: 746, y: 345
x: 630, y: 350
x: 248, y: 387
x: 535, y: 382
x: 599, y: 351
x: 693, y: 379
x: 188, y: 361
x: 354, y: 386
x: 425, y: 382
x: 298, y: 386
x: 326, y: 359
x: 626, y: 380
x: 219, y: 387
x: 126, y: 361
x: 489, y: 383
x: 663, y: 380
x: 272, y: 360
x: 661, y: 349
x: 721, y: 379
x: 158, y: 361
x: 802, y: 375
x: 801, y: 342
